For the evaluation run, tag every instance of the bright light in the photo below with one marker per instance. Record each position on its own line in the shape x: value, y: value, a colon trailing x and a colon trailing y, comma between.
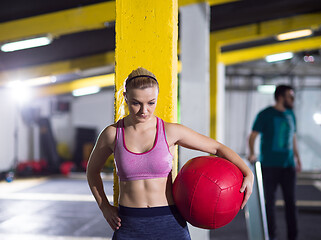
x: 27, y: 43
x: 268, y: 89
x: 40, y: 81
x: 317, y: 118
x: 20, y: 92
x: 14, y: 84
x: 85, y: 91
x: 33, y: 82
x: 294, y: 34
x: 279, y: 57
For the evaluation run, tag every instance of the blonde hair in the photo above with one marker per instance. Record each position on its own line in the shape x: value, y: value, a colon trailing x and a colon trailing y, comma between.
x: 141, y: 78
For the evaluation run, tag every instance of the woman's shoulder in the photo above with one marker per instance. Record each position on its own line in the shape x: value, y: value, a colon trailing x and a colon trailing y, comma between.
x: 172, y: 127
x: 108, y: 134
x: 169, y: 124
x: 111, y: 128
x: 177, y: 129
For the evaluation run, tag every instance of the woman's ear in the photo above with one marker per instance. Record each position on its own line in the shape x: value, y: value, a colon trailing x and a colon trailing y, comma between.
x: 125, y: 96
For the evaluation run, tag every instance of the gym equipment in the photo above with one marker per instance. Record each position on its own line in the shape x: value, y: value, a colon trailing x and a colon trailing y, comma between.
x: 67, y: 167
x: 207, y: 191
x: 31, y: 168
x: 48, y: 145
x: 255, y: 214
x: 85, y: 139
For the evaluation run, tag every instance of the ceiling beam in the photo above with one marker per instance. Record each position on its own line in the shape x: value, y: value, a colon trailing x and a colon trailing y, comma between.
x: 57, y: 68
x: 254, y: 53
x: 65, y: 88
x: 70, y: 21
x: 107, y: 80
x: 62, y: 67
x: 96, y: 15
x: 219, y: 2
x: 266, y: 29
x: 59, y: 23
x: 182, y: 3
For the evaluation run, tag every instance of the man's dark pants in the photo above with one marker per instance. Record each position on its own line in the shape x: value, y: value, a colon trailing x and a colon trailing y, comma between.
x: 286, y: 177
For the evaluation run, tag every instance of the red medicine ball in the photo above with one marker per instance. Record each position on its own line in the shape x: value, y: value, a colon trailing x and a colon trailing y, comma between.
x: 207, y: 191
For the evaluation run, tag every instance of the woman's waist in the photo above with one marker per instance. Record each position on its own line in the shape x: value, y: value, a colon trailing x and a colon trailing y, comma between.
x: 145, y: 200
x: 148, y: 211
x: 146, y: 193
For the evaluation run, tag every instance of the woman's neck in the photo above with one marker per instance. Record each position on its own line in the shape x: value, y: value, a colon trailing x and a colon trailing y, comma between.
x: 130, y: 122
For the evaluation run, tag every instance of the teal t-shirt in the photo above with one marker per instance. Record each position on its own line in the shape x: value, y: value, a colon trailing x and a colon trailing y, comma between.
x: 277, y: 130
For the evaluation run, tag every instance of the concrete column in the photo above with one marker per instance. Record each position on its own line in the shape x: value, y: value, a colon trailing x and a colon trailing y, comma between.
x: 36, y: 142
x: 194, y: 80
x: 146, y: 36
x: 217, y: 91
x: 220, y: 103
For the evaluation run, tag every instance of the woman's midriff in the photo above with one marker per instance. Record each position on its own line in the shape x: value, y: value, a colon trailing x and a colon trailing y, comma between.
x: 146, y: 193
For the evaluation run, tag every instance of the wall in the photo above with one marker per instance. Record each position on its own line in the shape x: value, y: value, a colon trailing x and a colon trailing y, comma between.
x: 241, y: 109
x: 94, y: 111
x: 243, y: 105
x: 308, y: 102
x: 7, y: 109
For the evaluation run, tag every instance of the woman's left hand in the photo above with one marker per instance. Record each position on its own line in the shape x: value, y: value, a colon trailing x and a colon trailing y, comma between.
x: 247, y: 187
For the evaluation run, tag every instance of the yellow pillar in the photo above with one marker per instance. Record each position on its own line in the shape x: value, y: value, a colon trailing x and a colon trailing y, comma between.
x: 146, y: 36
x: 214, y: 60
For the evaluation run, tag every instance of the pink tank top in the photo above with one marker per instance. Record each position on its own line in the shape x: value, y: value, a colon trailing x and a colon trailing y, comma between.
x: 155, y: 163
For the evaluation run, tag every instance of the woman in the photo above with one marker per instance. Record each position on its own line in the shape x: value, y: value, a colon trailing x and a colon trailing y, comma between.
x: 143, y: 146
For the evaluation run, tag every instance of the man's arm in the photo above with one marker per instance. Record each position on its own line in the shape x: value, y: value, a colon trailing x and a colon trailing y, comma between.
x: 296, y: 154
x: 252, y: 157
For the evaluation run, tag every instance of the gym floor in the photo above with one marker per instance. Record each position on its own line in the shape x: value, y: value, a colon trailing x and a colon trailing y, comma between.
x: 60, y: 208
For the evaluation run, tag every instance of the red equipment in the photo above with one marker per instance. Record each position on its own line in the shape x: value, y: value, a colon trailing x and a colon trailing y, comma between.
x: 207, y: 191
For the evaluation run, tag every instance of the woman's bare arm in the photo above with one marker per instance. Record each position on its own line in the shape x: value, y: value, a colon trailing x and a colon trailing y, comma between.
x: 102, y: 150
x: 185, y: 137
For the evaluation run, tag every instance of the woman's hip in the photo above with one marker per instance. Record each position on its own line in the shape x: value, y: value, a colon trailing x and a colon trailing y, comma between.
x: 151, y: 223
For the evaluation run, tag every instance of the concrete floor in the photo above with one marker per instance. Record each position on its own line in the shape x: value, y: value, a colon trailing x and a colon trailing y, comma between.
x: 60, y: 208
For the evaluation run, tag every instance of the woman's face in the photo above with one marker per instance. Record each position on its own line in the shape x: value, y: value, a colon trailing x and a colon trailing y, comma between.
x: 141, y: 102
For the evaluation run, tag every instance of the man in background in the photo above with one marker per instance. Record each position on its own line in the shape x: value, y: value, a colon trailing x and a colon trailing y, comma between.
x: 278, y: 156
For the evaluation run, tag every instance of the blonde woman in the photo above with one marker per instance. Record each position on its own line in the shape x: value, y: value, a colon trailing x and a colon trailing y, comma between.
x: 143, y: 146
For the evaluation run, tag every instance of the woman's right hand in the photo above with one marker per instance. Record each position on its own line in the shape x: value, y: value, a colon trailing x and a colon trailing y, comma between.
x: 111, y: 215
